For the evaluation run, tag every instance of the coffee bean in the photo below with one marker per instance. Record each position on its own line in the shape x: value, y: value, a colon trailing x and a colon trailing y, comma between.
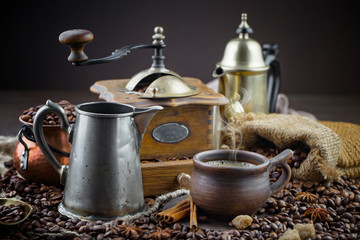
x: 320, y: 189
x: 273, y: 226
x: 308, y: 184
x: 273, y: 235
x: 75, y: 220
x: 44, y: 189
x: 275, y: 174
x: 337, y: 201
x: 265, y: 228
x: 342, y: 237
x: 331, y: 203
x: 351, y: 196
x: 100, y: 236
x: 327, y: 238
x: 347, y: 215
x: 8, y: 163
x: 50, y: 224
x: 28, y: 190
x: 69, y: 225
x: 61, y: 224
x: 11, y: 194
x: 254, y: 226
x: 345, y: 201
x: 177, y: 226
x: 26, y: 117
x: 281, y: 203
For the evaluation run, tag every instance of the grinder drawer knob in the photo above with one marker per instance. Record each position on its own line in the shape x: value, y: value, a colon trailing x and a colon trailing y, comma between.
x: 76, y: 39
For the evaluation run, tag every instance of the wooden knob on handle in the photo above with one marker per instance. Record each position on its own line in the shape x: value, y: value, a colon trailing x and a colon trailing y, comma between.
x: 76, y: 39
x: 184, y: 180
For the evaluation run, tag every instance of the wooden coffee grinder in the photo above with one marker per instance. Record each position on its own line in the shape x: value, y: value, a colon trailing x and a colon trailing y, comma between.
x: 182, y: 129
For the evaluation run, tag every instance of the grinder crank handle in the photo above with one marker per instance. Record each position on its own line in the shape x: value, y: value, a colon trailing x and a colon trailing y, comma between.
x: 51, y: 107
x: 76, y: 40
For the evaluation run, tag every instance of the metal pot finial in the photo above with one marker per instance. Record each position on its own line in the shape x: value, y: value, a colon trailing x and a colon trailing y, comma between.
x: 158, y: 35
x: 244, y: 26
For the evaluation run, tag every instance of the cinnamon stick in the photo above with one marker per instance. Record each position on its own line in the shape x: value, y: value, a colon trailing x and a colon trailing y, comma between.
x: 178, y: 207
x: 193, y: 216
x: 177, y: 215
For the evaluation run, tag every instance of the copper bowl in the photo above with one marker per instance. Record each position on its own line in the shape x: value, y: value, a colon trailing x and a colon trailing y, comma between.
x: 39, y: 169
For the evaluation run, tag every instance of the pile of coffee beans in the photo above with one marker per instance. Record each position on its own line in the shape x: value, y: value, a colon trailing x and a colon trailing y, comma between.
x: 333, y: 208
x: 28, y: 115
x: 165, y: 159
x: 11, y: 213
x: 269, y: 150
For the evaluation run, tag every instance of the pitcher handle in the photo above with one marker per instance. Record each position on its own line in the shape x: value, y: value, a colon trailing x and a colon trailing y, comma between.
x: 270, y: 52
x: 51, y: 107
x: 285, y: 176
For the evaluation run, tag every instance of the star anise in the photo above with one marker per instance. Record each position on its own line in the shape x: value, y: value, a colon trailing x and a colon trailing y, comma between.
x: 130, y: 231
x: 316, y: 213
x: 306, y: 196
x: 197, y: 234
x: 160, y: 234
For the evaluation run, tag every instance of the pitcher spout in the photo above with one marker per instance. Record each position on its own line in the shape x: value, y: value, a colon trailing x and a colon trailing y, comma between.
x: 143, y: 116
x: 218, y: 72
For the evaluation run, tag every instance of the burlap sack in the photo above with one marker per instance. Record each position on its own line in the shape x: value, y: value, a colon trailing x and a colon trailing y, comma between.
x: 7, y: 146
x: 287, y: 131
x: 349, y: 158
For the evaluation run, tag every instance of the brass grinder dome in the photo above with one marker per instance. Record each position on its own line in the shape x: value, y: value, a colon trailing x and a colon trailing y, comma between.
x: 243, y: 53
x: 169, y: 86
x: 160, y: 81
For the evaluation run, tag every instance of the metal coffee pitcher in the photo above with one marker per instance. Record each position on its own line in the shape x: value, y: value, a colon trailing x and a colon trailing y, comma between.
x: 249, y: 76
x: 103, y: 180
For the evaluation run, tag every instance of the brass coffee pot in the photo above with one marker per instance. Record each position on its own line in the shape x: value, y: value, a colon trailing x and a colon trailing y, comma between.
x: 249, y: 75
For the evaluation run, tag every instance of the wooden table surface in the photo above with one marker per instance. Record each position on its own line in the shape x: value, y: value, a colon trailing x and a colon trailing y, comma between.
x: 344, y: 108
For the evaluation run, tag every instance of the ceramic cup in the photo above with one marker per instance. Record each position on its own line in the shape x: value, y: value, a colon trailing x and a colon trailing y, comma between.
x: 239, y: 184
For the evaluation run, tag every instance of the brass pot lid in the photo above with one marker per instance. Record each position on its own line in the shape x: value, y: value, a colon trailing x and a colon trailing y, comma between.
x: 169, y: 86
x: 243, y: 53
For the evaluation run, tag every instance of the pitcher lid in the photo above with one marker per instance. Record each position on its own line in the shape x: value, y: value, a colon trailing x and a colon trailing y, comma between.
x: 243, y: 53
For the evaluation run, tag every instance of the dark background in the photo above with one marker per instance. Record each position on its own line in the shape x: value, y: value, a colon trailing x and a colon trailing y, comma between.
x: 319, y: 41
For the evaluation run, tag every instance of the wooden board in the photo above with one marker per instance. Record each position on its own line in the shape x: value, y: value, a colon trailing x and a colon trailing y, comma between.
x: 109, y: 90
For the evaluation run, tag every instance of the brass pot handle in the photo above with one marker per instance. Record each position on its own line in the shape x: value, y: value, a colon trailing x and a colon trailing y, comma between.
x: 281, y: 159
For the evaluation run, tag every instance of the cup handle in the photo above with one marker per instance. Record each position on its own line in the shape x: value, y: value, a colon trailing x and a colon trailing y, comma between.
x: 281, y: 159
x: 51, y: 107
